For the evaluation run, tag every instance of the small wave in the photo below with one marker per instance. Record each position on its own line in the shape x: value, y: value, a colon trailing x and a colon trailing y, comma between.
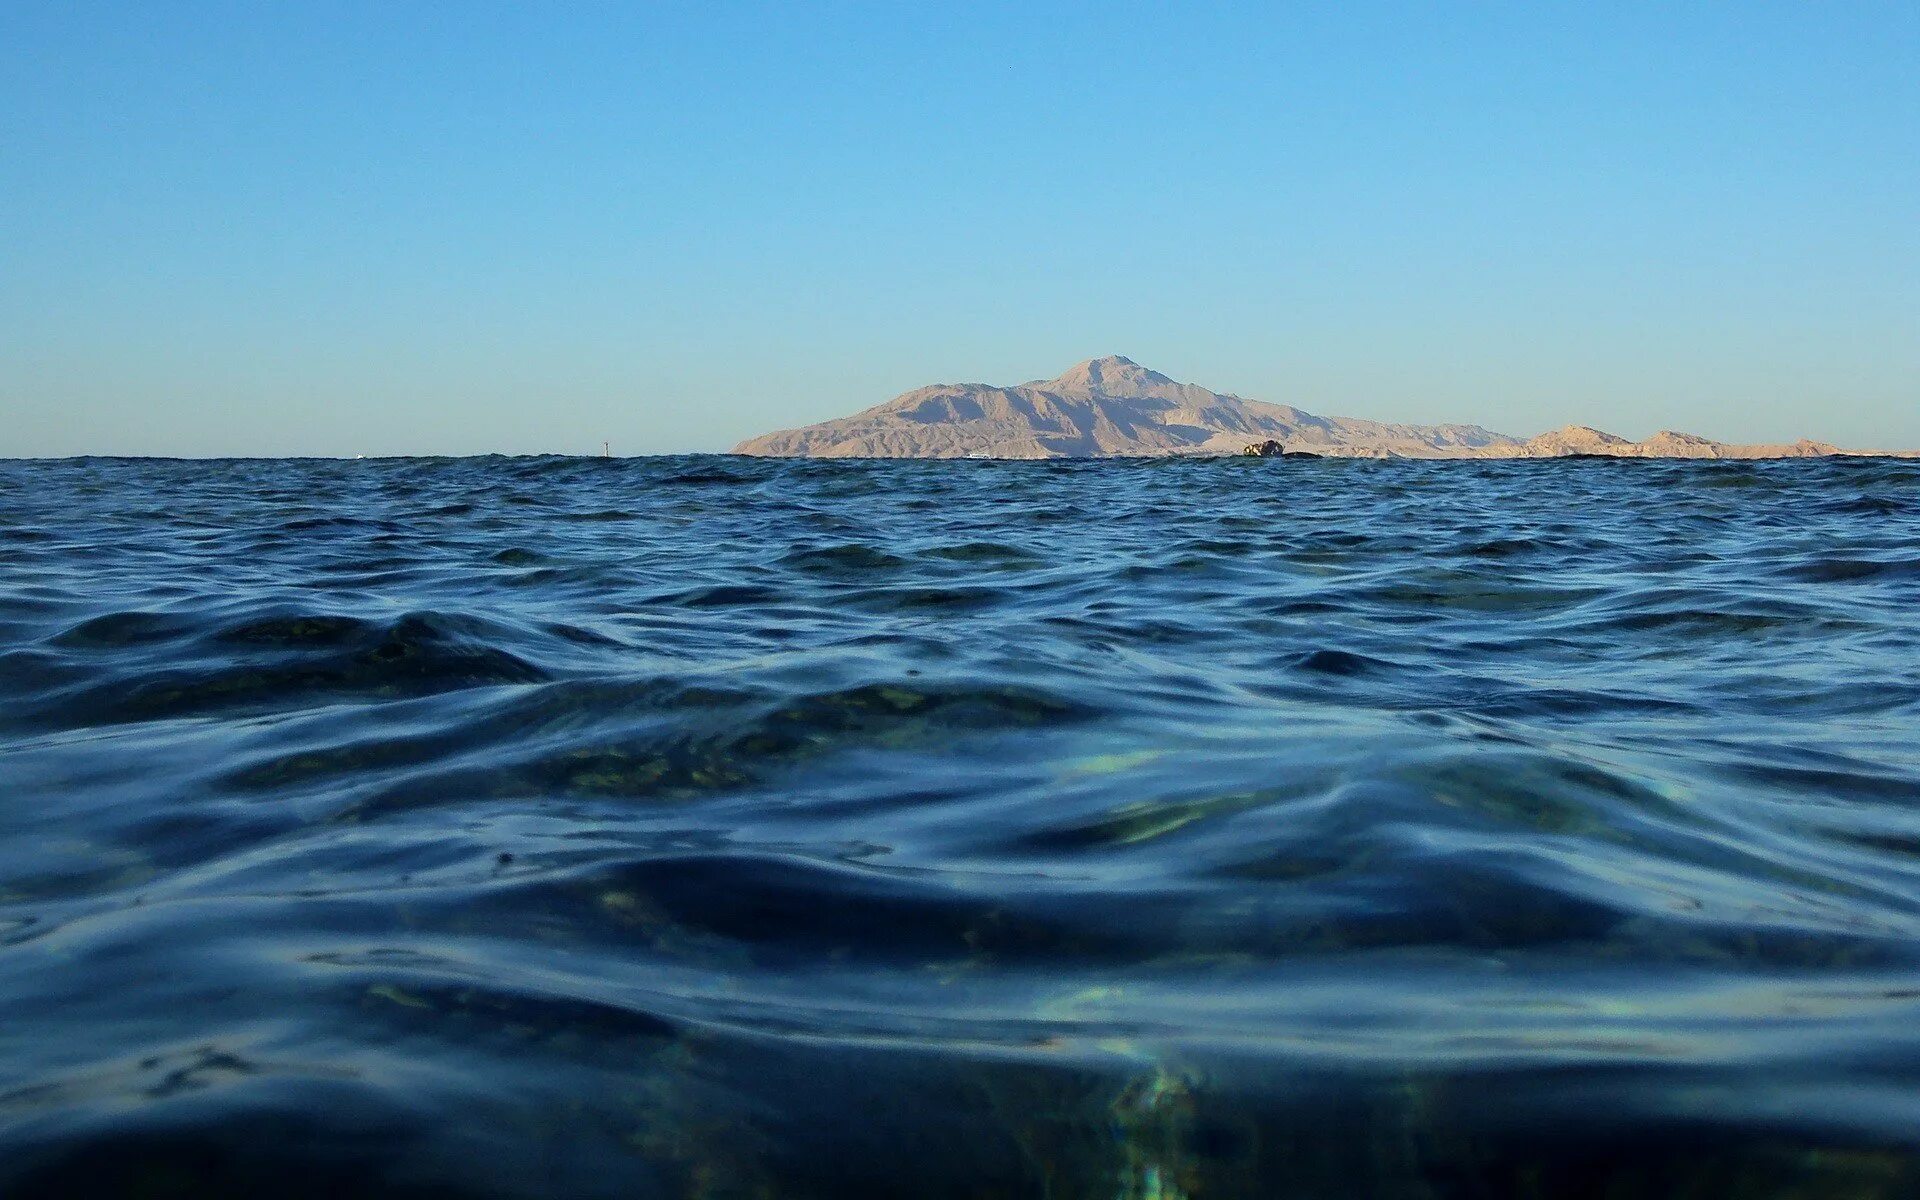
x: 1851, y: 570
x: 850, y: 559
x: 290, y: 660
x: 974, y: 552
x: 1340, y: 662
x: 131, y: 628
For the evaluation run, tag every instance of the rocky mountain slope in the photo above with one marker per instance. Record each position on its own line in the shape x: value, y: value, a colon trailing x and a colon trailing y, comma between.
x: 1113, y: 406
x: 1583, y: 439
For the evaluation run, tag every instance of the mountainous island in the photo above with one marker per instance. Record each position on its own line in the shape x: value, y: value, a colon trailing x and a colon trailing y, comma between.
x: 1113, y: 407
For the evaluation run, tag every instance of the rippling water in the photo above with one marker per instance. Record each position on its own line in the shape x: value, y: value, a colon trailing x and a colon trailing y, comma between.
x: 725, y: 827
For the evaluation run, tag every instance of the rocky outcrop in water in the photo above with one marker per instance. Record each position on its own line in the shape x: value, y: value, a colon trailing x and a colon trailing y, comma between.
x: 1116, y: 407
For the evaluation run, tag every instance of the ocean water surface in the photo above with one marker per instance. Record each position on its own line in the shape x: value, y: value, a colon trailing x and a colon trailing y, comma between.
x: 703, y: 827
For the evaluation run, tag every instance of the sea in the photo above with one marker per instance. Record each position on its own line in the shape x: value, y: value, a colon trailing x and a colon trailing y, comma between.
x: 724, y: 827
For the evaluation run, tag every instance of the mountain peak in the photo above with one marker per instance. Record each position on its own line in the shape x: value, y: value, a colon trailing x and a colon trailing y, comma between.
x: 1114, y: 375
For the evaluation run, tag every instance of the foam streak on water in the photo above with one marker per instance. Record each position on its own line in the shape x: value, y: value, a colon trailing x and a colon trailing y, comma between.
x: 725, y: 827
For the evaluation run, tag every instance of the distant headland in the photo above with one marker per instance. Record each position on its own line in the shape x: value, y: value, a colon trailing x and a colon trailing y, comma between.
x: 1114, y: 407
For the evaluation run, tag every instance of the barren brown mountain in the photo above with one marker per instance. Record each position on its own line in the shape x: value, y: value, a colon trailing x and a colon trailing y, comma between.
x: 1115, y: 407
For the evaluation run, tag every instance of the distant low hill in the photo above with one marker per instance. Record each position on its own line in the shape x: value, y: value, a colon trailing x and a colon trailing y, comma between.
x: 1115, y: 407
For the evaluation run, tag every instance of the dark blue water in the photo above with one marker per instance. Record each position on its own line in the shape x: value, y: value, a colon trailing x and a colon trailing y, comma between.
x: 715, y: 827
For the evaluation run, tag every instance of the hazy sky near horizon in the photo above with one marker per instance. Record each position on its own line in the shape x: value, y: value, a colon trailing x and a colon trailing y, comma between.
x: 412, y: 228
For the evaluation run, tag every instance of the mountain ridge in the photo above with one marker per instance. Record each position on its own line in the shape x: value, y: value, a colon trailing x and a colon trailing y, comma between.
x: 1114, y: 407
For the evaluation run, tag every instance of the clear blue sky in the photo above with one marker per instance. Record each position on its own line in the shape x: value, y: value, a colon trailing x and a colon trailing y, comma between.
x: 392, y: 227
